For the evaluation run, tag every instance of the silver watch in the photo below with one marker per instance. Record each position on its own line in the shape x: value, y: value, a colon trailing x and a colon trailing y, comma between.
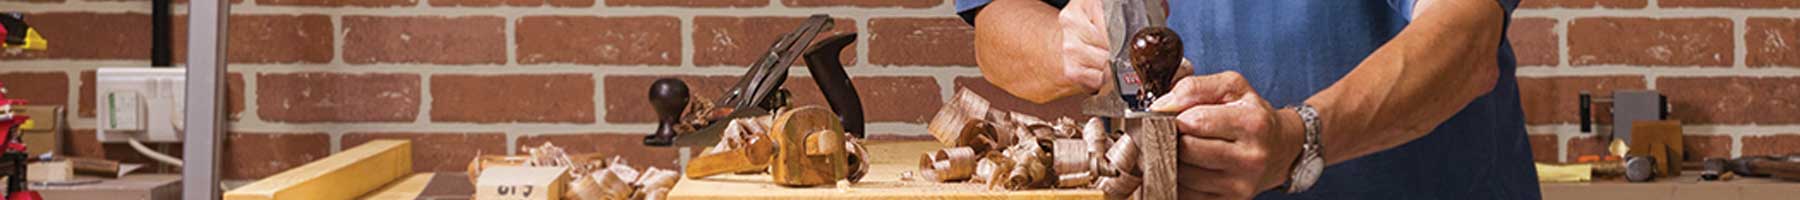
x: 1312, y: 160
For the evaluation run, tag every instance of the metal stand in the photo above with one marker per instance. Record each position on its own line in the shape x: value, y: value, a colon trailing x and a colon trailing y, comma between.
x: 205, y: 99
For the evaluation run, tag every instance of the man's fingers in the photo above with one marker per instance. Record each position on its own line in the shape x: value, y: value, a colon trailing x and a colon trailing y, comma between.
x: 1206, y: 89
x: 1211, y: 122
x: 1085, y: 65
x: 1206, y: 153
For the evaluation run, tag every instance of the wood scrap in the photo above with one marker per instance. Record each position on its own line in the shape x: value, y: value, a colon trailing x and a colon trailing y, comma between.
x: 956, y: 123
x: 518, y: 182
x: 744, y: 148
x: 952, y: 164
x: 347, y: 174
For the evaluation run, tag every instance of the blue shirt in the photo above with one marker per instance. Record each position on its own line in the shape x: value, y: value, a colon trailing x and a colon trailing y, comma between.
x: 1291, y: 49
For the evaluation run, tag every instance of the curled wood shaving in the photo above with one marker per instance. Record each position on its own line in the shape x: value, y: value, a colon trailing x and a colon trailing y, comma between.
x: 952, y: 164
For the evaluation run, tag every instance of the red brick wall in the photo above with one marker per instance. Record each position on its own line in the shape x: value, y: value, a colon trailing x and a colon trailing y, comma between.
x: 463, y: 77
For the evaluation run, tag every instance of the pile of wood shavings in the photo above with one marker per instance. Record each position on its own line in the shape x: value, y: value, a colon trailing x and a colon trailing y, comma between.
x: 593, y: 178
x: 1017, y: 151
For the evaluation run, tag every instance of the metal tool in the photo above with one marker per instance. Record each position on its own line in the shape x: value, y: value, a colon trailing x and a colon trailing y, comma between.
x: 759, y: 91
x: 1628, y: 106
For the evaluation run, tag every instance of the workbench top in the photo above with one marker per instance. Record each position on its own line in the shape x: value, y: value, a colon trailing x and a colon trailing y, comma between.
x: 888, y: 161
x: 1687, y: 186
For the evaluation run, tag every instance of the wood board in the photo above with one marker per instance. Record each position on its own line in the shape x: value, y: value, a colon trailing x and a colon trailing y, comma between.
x: 345, y: 175
x: 1685, y: 186
x: 888, y: 160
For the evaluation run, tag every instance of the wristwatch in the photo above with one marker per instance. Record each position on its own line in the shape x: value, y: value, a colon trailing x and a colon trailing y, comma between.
x: 1311, y: 161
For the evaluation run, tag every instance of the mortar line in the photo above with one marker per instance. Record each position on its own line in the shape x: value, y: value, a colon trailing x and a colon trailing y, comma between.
x: 1737, y: 145
x: 338, y: 35
x: 599, y: 98
x: 1740, y: 50
x: 1561, y: 30
x: 425, y: 100
x: 687, y: 41
x: 512, y: 40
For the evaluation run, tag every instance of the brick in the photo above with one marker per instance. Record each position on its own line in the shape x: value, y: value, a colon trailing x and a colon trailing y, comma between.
x: 335, y: 97
x: 1700, y: 147
x: 1554, y: 100
x: 1582, y: 4
x: 909, y: 99
x: 1590, y: 145
x: 739, y: 41
x: 1732, y: 100
x: 438, y: 152
x: 83, y: 143
x: 234, y: 95
x: 1728, y: 4
x: 862, y: 3
x: 1772, y: 42
x: 258, y: 155
x: 89, y: 36
x: 269, y: 39
x: 688, y: 3
x: 628, y: 146
x: 1543, y: 148
x: 518, y: 3
x: 1781, y: 144
x: 651, y: 40
x: 921, y: 41
x: 38, y: 88
x: 1653, y: 42
x: 86, y: 103
x: 340, y: 3
x: 1534, y: 41
x: 1000, y: 99
x: 564, y: 98
x: 424, y: 39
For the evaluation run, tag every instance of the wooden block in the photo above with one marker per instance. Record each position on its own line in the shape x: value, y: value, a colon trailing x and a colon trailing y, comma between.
x: 809, y: 148
x: 44, y: 132
x: 1660, y: 140
x: 1156, y: 138
x: 345, y: 175
x: 49, y: 171
x: 522, y: 183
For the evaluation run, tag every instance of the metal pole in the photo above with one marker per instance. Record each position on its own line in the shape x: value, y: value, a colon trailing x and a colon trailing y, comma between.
x: 205, y: 99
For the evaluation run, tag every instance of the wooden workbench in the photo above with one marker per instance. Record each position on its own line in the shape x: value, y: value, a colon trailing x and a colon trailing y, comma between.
x: 130, y: 187
x: 1687, y: 186
x: 888, y: 161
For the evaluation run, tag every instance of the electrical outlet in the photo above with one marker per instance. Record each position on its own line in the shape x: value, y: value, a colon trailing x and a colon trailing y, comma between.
x: 141, y: 103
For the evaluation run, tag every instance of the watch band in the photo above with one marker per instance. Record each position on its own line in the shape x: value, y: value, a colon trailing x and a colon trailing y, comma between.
x: 1311, y: 162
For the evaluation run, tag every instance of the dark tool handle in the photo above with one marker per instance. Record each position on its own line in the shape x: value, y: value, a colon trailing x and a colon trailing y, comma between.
x: 828, y: 72
x: 1587, y: 112
x: 161, y: 40
x: 1713, y: 168
x: 669, y: 97
x: 1156, y: 55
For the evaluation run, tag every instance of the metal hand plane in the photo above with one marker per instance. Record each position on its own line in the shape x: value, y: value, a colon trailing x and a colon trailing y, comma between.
x: 759, y: 91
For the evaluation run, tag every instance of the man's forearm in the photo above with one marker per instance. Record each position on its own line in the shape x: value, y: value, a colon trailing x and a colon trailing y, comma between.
x: 1016, y: 46
x: 1445, y: 59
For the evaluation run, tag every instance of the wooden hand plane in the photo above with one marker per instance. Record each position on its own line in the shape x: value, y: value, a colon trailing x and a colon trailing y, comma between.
x: 759, y: 91
x: 1142, y: 68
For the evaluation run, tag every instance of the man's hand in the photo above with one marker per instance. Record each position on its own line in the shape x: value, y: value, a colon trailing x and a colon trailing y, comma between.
x: 1084, y: 48
x: 1233, y: 145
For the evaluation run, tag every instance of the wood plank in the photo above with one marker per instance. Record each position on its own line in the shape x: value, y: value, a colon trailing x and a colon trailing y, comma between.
x: 1156, y: 139
x: 887, y: 161
x: 345, y: 175
x: 408, y: 188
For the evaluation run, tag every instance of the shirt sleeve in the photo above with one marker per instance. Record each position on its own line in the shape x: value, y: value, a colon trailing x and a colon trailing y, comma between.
x: 1405, y: 7
x: 968, y: 8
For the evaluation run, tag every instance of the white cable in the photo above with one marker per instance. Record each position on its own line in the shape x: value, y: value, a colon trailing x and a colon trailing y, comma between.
x: 158, y: 156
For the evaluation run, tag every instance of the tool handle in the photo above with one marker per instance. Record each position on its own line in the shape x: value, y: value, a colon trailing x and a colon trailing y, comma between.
x: 1586, y: 112
x: 828, y: 72
x: 669, y: 97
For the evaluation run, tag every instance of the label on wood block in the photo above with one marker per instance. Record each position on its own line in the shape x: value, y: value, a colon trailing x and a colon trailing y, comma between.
x: 521, y: 183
